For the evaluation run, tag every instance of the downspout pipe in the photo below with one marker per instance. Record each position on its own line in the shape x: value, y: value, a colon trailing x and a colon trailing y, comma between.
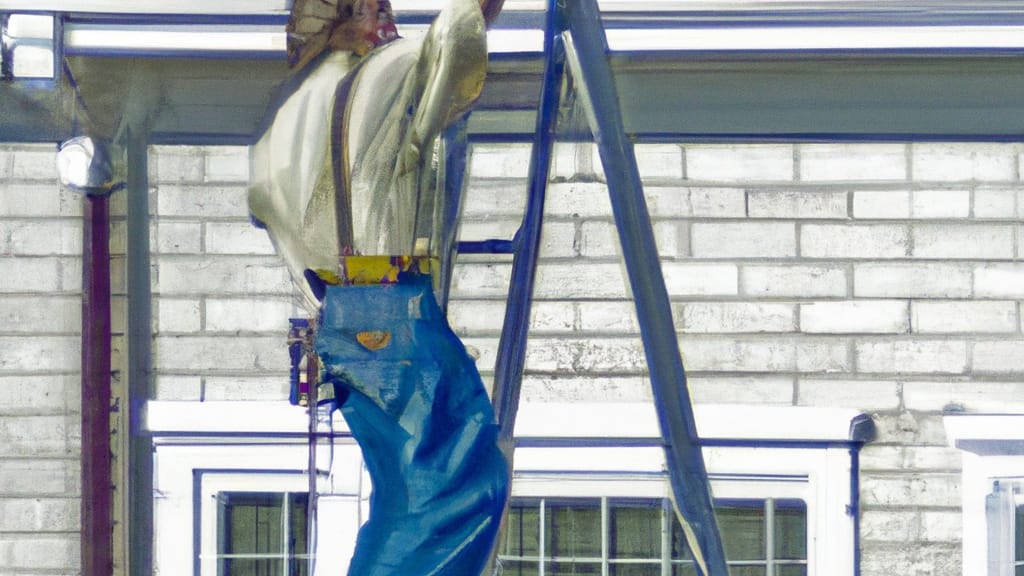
x: 85, y: 167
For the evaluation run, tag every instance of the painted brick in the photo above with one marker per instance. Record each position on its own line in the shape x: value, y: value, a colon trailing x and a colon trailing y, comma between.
x: 881, y: 204
x: 40, y: 553
x: 866, y: 395
x: 999, y: 356
x: 672, y: 239
x: 35, y: 163
x: 852, y: 162
x: 659, y: 160
x: 736, y: 317
x: 39, y: 395
x: 743, y: 240
x: 227, y: 164
x: 910, y: 490
x: 178, y: 315
x: 29, y: 200
x: 999, y: 281
x: 604, y: 356
x: 824, y: 356
x: 876, y: 457
x: 578, y: 280
x: 963, y: 317
x: 964, y: 162
x: 236, y: 238
x: 952, y: 241
x: 793, y: 281
x: 995, y: 203
x: 751, y: 390
x: 481, y: 279
x: 796, y: 204
x: 490, y: 199
x: 70, y: 274
x: 941, y: 204
x: 246, y: 389
x: 204, y: 353
x: 667, y: 201
x: 590, y: 388
x: 974, y: 395
x: 40, y: 477
x: 557, y: 317
x: 706, y: 202
x: 504, y: 229
x: 39, y: 353
x: 570, y: 160
x: 578, y: 199
x: 938, y: 280
x: 890, y: 525
x: 179, y: 388
x: 730, y: 163
x: 731, y: 355
x: 608, y: 317
x: 39, y: 515
x: 40, y: 237
x: 854, y: 241
x: 249, y: 315
x: 473, y: 317
x: 203, y: 201
x: 40, y: 313
x: 921, y: 559
x: 223, y: 275
x: 912, y: 356
x: 6, y: 163
x: 500, y: 161
x: 685, y: 279
x: 39, y: 436
x: 179, y: 237
x: 561, y: 240
x: 176, y: 164
x: 855, y: 317
x: 941, y: 526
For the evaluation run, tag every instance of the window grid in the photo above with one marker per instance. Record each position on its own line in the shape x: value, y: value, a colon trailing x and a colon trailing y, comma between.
x: 288, y: 554
x: 771, y: 564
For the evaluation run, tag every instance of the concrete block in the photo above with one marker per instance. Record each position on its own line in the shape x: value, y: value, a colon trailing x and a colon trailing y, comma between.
x: 41, y: 313
x: 963, y: 241
x: 909, y: 428
x: 188, y: 388
x: 181, y: 275
x: 995, y: 203
x: 6, y: 163
x: 227, y: 164
x: 190, y: 354
x: 710, y: 354
x: 902, y: 280
x: 500, y: 160
x: 249, y: 388
x: 793, y: 281
x: 942, y: 526
x: 686, y: 279
x: 40, y: 237
x: 881, y: 204
x: 565, y: 280
x: 481, y: 279
x: 707, y: 202
x: 932, y: 490
x: 1000, y: 357
x: 824, y: 356
x: 972, y: 395
x: 477, y: 317
x: 797, y: 204
x: 36, y: 199
x: 475, y: 231
x: 659, y: 161
x: 39, y: 515
x: 997, y: 281
x: 735, y: 317
x: 912, y: 357
x: 854, y: 241
x: 236, y: 238
x: 852, y: 162
x: 865, y: 395
x: 39, y: 395
x: 964, y: 317
x: 751, y: 390
x: 42, y: 354
x: 35, y: 163
x: 571, y: 160
x: 42, y: 553
x: 921, y: 559
x: 890, y: 526
x: 179, y: 237
x: 559, y: 388
x: 941, y: 204
x: 855, y: 317
x: 607, y: 317
x: 957, y: 162
x: 203, y: 201
x: 578, y: 200
x: 672, y: 239
x: 568, y: 240
x: 667, y: 201
x: 176, y: 164
x: 877, y: 457
x: 39, y: 436
x: 178, y: 315
x: 249, y: 315
x: 32, y: 476
x: 743, y: 240
x: 736, y: 163
x: 604, y: 356
x: 70, y: 274
x: 558, y: 317
x: 491, y: 199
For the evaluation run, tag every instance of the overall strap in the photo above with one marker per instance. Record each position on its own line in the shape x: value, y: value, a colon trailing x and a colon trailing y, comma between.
x: 339, y: 159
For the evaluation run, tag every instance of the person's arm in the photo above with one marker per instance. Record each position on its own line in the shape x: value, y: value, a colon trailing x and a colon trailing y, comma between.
x: 491, y: 9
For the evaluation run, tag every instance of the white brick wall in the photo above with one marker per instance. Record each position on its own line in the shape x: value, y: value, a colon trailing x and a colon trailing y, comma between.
x: 40, y: 380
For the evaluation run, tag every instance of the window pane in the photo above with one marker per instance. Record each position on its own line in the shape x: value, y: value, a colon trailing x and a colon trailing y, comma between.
x: 795, y: 570
x: 635, y: 530
x: 571, y: 568
x: 515, y: 568
x: 684, y: 570
x: 247, y: 567
x: 521, y: 535
x: 680, y: 549
x: 253, y: 523
x: 1019, y: 535
x: 790, y: 531
x: 746, y: 570
x: 573, y: 531
x: 742, y: 530
x: 653, y: 569
x: 298, y: 505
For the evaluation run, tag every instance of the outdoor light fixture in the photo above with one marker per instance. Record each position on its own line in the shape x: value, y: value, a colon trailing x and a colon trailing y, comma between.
x: 84, y: 165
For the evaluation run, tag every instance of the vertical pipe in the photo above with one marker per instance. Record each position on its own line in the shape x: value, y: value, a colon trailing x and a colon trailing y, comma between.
x: 97, y: 492
x: 855, y: 504
x: 683, y: 458
x: 140, y: 331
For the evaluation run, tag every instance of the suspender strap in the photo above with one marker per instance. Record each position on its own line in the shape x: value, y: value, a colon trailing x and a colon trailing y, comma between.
x: 339, y: 160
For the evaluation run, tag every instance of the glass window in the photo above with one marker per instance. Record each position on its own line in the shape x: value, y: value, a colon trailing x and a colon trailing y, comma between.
x: 26, y: 46
x: 641, y: 537
x: 262, y: 534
